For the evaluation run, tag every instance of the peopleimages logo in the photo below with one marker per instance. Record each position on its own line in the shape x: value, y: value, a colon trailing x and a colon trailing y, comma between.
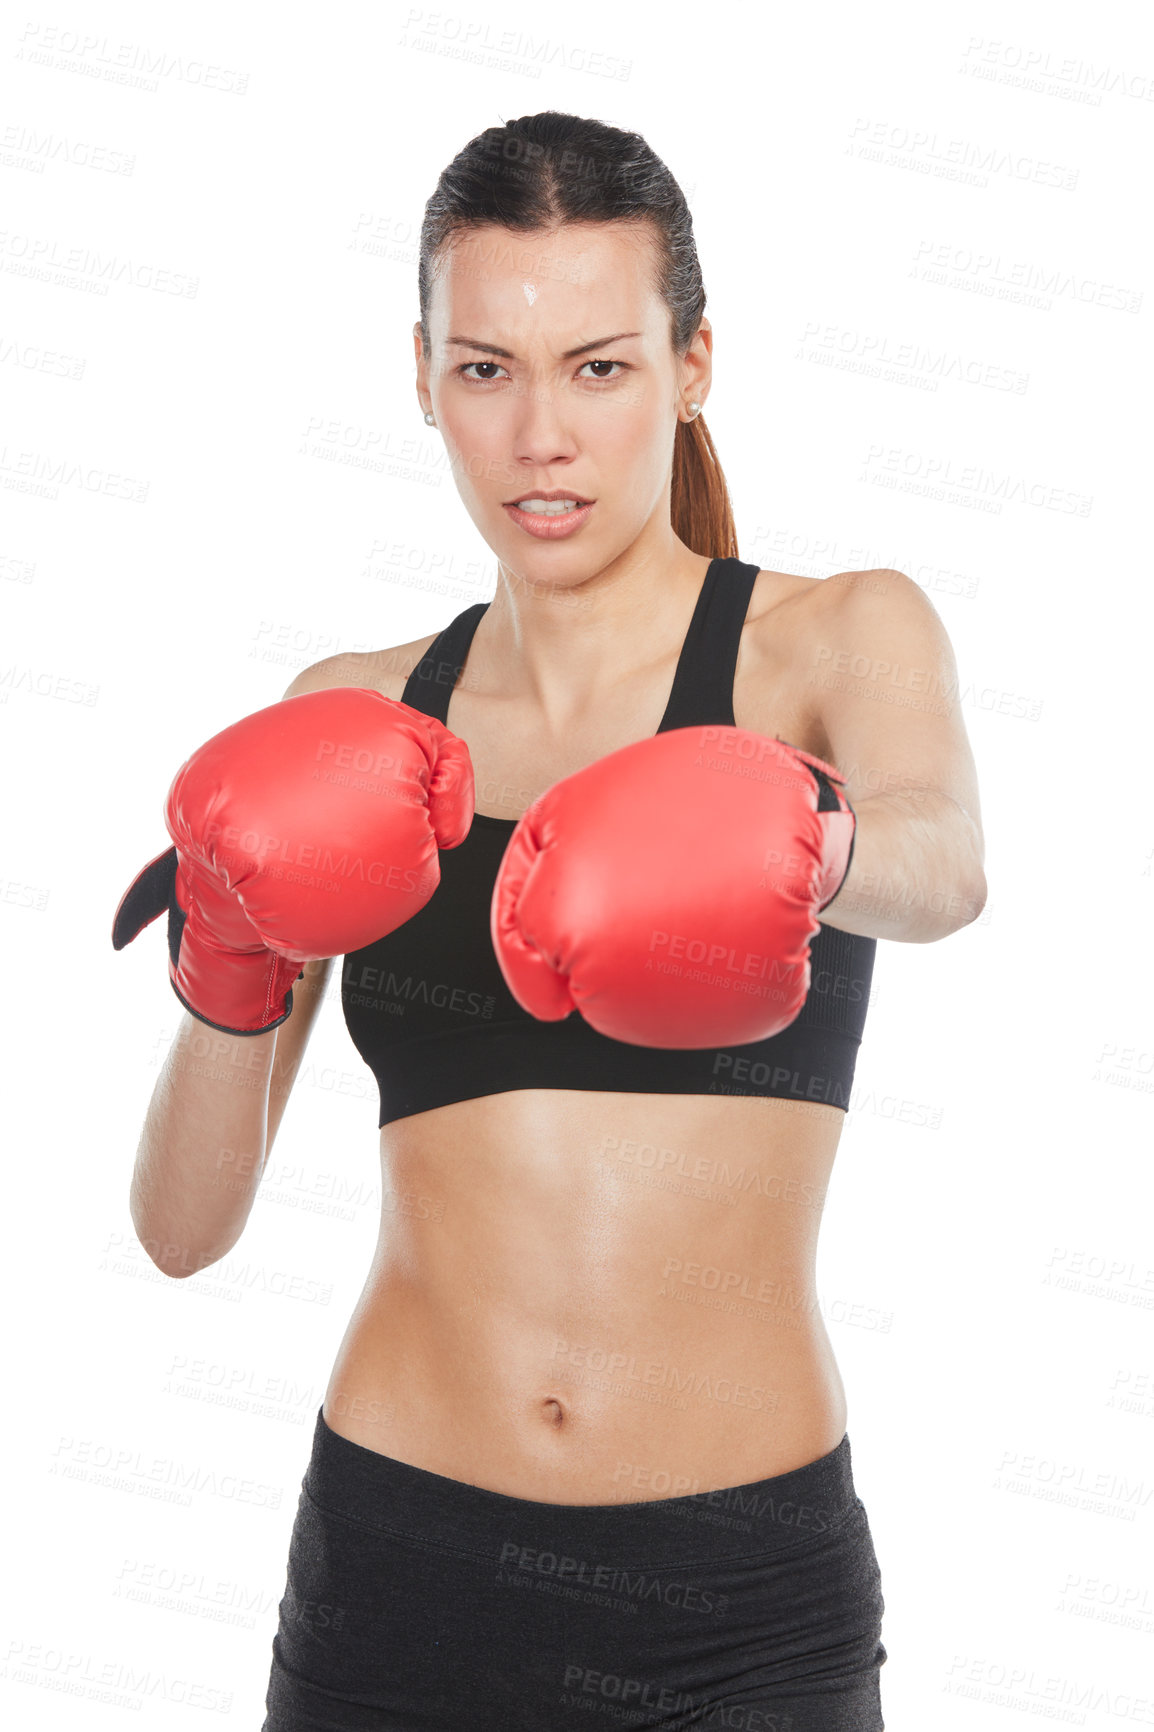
x: 230, y: 847
x: 631, y: 1584
x: 365, y: 977
x: 679, y: 946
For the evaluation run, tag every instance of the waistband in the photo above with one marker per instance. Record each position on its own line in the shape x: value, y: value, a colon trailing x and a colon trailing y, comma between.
x: 785, y: 1511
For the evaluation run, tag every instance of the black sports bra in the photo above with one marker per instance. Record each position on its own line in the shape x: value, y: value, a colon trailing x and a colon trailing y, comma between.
x: 427, y: 1006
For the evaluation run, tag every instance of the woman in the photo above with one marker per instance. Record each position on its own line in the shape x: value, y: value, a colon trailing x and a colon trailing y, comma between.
x: 584, y: 1446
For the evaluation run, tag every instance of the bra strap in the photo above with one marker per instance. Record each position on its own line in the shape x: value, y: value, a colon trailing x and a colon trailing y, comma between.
x: 432, y: 680
x: 702, y: 691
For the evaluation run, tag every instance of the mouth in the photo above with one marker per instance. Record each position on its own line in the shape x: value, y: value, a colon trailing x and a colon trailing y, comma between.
x: 551, y: 515
x: 549, y: 504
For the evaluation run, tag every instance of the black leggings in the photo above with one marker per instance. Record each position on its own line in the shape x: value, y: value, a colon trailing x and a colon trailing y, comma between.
x: 422, y: 1604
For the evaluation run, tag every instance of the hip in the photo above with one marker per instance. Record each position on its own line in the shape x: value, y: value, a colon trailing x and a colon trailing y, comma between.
x: 419, y: 1601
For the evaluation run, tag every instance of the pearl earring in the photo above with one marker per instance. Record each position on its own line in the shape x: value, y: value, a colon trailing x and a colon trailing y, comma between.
x: 430, y: 418
x: 695, y: 410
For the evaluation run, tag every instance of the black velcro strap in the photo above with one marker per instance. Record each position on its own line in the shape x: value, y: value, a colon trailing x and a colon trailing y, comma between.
x: 827, y: 799
x: 149, y: 895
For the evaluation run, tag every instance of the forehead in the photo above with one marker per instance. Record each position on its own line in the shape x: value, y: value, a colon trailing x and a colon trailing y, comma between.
x: 550, y: 283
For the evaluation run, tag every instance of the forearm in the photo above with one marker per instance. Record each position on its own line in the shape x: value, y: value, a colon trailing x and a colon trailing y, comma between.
x: 309, y: 993
x: 916, y: 873
x: 202, y: 1148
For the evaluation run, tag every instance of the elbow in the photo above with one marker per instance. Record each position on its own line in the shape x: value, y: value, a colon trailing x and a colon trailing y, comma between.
x: 165, y: 1256
x: 178, y: 1262
x: 968, y: 890
x: 966, y: 904
x: 172, y: 1256
x: 945, y: 912
x: 170, y: 1240
x: 975, y: 898
x: 966, y: 896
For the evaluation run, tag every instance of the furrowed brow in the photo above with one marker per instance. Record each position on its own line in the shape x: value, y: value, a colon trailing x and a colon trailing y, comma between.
x: 569, y: 354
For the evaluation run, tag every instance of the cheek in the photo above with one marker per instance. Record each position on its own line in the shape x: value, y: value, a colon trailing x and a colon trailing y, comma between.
x: 478, y: 450
x: 472, y: 427
x: 629, y: 430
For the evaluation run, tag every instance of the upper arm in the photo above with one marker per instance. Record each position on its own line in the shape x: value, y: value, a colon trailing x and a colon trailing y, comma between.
x: 886, y: 688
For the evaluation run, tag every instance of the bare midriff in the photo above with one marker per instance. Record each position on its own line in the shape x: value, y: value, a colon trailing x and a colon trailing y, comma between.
x: 585, y: 1297
x: 589, y: 1297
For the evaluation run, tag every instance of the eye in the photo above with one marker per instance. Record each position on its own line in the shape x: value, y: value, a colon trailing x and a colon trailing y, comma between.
x: 463, y: 371
x: 605, y: 376
x: 490, y: 378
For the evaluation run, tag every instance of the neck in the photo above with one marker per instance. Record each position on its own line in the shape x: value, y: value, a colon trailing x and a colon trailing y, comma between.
x: 562, y: 644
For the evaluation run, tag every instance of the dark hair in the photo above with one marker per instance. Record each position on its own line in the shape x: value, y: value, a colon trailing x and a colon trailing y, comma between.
x: 551, y: 168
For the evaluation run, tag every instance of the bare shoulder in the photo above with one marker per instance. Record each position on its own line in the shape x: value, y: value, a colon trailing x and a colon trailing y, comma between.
x: 852, y: 609
x: 785, y: 609
x: 776, y: 589
x: 384, y: 670
x: 879, y: 591
x: 809, y: 640
x: 881, y: 625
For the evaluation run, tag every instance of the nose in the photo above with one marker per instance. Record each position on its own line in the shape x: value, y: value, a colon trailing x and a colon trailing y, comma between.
x: 541, y: 434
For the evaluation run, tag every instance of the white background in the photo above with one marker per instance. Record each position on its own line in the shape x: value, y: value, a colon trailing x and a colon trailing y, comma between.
x: 898, y: 209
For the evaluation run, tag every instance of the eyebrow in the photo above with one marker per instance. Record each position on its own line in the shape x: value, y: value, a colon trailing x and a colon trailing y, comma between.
x: 507, y: 354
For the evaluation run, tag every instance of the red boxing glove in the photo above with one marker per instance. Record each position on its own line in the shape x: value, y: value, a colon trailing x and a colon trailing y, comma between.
x: 305, y: 830
x: 669, y: 891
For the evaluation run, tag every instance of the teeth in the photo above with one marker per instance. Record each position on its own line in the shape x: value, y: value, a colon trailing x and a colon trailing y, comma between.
x: 547, y: 507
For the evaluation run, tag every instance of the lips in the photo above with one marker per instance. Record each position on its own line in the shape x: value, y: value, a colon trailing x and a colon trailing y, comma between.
x: 551, y: 497
x: 550, y: 525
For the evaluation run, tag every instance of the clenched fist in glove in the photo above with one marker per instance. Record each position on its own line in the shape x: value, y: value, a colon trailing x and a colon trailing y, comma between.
x: 670, y: 891
x: 305, y: 830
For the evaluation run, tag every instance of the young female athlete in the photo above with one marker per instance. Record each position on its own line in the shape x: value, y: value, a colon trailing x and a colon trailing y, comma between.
x: 584, y: 1447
